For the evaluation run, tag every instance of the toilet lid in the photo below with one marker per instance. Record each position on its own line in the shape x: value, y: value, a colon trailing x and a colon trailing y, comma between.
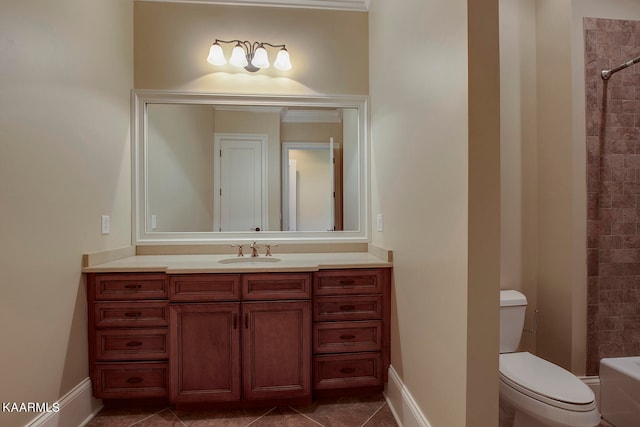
x: 544, y: 378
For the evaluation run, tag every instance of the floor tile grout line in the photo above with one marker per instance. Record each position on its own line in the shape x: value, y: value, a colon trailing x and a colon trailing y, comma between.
x: 262, y: 416
x: 306, y: 416
x: 179, y: 419
x: 373, y: 415
x: 149, y: 416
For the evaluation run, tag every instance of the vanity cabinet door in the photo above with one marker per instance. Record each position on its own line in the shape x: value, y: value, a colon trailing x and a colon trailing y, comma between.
x: 276, y: 349
x: 205, y: 352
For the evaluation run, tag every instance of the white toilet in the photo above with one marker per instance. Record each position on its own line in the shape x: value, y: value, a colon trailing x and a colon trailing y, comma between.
x: 542, y: 394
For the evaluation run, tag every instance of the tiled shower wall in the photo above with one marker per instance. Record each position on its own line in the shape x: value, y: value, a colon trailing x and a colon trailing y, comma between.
x: 613, y: 189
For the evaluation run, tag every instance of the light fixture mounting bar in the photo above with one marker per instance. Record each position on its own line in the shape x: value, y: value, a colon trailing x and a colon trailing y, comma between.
x: 252, y: 56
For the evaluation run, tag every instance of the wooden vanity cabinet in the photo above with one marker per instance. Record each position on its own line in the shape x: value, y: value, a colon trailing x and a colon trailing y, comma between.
x: 128, y: 335
x: 351, y: 310
x: 202, y: 338
x: 232, y: 345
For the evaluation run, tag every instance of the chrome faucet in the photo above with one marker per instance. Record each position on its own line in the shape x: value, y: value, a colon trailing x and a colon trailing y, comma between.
x: 254, y: 249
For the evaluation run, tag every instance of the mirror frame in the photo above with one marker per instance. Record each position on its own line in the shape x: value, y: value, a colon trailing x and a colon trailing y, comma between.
x: 142, y: 98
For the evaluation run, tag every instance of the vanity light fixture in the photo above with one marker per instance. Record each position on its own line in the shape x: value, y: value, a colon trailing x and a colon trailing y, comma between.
x: 250, y: 56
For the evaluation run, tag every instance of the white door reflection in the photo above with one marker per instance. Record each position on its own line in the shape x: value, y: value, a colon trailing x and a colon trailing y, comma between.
x: 310, y: 202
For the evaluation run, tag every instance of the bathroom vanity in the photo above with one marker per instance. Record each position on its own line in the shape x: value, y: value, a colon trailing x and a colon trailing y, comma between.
x: 191, y: 330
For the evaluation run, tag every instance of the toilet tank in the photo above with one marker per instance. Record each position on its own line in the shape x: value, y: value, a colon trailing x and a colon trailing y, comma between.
x: 512, y: 307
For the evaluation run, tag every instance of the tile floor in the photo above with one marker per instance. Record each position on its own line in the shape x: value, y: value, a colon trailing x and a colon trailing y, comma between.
x: 371, y: 411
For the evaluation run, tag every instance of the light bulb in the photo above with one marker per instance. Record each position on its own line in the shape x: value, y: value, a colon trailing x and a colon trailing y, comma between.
x: 260, y: 58
x: 216, y: 56
x: 238, y: 57
x: 283, y: 62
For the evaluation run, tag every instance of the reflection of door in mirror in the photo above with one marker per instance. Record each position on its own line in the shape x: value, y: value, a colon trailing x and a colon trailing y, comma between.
x: 240, y: 182
x: 312, y: 196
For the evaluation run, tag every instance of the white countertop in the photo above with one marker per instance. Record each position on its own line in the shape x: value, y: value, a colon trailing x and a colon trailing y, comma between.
x: 185, y: 264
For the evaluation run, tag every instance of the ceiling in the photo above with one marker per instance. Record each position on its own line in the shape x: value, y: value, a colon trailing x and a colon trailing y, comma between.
x: 358, y: 5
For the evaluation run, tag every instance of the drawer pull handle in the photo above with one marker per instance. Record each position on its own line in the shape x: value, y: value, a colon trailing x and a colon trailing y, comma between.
x: 347, y: 307
x: 133, y: 286
x: 347, y: 282
x: 134, y: 380
x: 134, y: 343
x: 133, y: 314
x: 347, y: 337
x: 347, y: 370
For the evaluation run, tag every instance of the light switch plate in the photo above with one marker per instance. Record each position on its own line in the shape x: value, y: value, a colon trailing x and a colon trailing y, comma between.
x: 106, y: 224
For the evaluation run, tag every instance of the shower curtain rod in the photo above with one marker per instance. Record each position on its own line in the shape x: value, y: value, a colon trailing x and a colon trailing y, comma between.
x: 606, y: 74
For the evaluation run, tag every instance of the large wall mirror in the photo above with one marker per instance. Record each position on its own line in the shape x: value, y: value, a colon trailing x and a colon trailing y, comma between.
x: 222, y: 168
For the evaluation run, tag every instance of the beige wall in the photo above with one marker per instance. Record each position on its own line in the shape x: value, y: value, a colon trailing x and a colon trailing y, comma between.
x: 518, y: 154
x: 66, y: 73
x: 484, y: 213
x: 422, y: 124
x: 544, y: 166
x: 556, y: 207
x: 180, y: 167
x: 328, y: 49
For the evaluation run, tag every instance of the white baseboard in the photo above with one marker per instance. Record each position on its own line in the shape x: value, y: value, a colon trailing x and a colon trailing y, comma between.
x: 402, y: 405
x: 77, y: 408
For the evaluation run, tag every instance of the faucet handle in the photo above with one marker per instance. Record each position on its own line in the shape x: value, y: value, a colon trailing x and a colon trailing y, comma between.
x: 239, y: 249
x: 269, y: 246
x: 254, y: 249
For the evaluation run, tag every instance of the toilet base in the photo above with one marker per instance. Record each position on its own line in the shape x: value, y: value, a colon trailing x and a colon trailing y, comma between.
x: 523, y: 420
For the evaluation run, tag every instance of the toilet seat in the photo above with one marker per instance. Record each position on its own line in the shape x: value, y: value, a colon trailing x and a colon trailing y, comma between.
x: 545, y: 382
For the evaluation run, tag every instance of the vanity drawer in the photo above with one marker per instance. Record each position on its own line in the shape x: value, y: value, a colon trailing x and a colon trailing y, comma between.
x: 275, y: 286
x: 131, y: 314
x: 131, y: 380
x: 348, y: 282
x: 130, y: 286
x: 347, y: 337
x: 347, y: 370
x: 347, y: 308
x: 204, y: 287
x: 131, y: 344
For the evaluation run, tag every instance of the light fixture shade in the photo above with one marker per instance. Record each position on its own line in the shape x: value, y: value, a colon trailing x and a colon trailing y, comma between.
x: 283, y: 63
x: 216, y: 56
x: 260, y: 58
x: 238, y: 57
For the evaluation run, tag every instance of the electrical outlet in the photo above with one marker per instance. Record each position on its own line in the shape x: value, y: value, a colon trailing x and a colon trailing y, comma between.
x: 106, y: 224
x: 379, y: 222
x: 154, y: 222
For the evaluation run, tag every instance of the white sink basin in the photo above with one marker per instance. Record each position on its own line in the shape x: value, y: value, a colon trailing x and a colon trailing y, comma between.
x: 249, y: 260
